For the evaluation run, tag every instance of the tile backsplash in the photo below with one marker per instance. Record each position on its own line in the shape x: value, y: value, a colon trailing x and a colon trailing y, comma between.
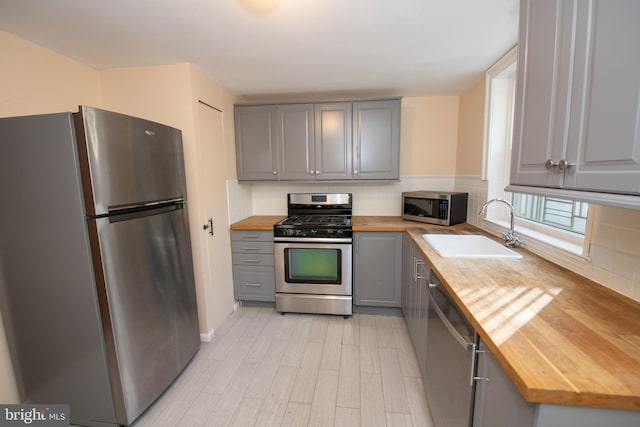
x: 613, y: 256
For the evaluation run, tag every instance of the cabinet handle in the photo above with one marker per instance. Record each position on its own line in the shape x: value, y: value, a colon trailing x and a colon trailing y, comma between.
x: 250, y: 236
x: 251, y: 249
x: 550, y: 164
x: 563, y: 164
x: 251, y: 260
x: 255, y: 285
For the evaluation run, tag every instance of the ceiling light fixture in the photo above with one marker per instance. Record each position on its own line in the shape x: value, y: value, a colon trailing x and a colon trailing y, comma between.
x: 260, y: 7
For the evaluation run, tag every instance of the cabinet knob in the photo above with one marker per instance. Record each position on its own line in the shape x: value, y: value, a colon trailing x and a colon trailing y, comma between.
x: 549, y: 164
x: 563, y: 164
x: 317, y: 172
x: 275, y: 172
x: 355, y: 172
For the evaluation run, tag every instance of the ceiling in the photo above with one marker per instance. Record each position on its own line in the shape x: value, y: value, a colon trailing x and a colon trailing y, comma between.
x: 258, y: 48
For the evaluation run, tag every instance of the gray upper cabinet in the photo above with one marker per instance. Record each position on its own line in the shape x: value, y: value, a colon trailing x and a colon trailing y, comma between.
x: 256, y: 149
x: 333, y: 141
x: 577, y: 104
x: 295, y: 136
x: 341, y: 141
x: 376, y: 139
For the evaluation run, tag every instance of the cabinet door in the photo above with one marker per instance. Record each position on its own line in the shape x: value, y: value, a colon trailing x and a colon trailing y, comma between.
x: 407, y: 276
x: 376, y: 141
x: 605, y: 112
x: 498, y: 403
x: 544, y: 65
x: 256, y: 151
x: 422, y: 310
x: 333, y: 141
x: 378, y: 268
x: 295, y: 134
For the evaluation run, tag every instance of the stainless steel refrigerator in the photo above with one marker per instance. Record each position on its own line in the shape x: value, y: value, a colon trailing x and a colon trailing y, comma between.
x: 96, y: 278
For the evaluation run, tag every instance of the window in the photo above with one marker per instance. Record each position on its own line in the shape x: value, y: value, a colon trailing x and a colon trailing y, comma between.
x: 560, y: 213
x: 562, y: 222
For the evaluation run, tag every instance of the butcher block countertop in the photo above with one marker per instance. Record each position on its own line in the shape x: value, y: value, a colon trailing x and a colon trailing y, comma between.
x: 561, y: 338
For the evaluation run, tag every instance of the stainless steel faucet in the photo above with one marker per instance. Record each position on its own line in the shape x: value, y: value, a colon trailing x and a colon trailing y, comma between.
x: 510, y: 237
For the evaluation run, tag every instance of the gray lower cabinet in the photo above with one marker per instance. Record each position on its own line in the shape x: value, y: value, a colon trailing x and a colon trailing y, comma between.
x: 253, y: 265
x: 377, y: 266
x: 415, y: 298
x: 498, y: 403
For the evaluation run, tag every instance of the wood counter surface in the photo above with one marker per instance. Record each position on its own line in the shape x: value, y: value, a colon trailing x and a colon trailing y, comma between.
x: 561, y: 338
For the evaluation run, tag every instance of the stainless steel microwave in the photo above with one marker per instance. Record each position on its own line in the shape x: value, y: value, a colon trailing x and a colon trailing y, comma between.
x: 443, y: 208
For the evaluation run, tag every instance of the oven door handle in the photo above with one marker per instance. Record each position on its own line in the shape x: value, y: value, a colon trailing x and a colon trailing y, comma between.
x: 312, y: 240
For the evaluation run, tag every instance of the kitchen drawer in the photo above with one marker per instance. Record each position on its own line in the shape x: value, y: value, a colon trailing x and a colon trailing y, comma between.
x: 252, y: 259
x: 254, y: 283
x: 252, y: 236
x: 252, y: 247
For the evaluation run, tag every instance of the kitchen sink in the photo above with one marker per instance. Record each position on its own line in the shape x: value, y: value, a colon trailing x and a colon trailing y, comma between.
x: 468, y: 246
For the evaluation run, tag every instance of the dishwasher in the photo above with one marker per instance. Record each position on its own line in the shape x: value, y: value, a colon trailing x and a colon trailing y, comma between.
x: 450, y: 360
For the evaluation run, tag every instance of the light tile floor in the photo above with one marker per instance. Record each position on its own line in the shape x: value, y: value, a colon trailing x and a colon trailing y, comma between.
x: 265, y: 369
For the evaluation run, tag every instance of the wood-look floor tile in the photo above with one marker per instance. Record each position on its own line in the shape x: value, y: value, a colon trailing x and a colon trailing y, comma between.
x: 296, y: 415
x: 399, y: 420
x: 225, y: 343
x: 318, y: 332
x: 275, y: 405
x: 247, y: 412
x: 297, y: 343
x: 369, y: 360
x: 166, y: 414
x: 395, y: 397
x: 305, y: 383
x: 417, y: 403
x: 332, y: 345
x: 260, y: 363
x: 351, y: 330
x: 372, y: 412
x: 200, y: 410
x: 222, y: 413
x: 266, y: 371
x: 347, y: 417
x: 349, y: 377
x: 228, y: 367
x: 323, y: 408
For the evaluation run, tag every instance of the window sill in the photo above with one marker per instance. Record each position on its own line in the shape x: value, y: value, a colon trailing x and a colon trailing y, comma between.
x: 541, y: 238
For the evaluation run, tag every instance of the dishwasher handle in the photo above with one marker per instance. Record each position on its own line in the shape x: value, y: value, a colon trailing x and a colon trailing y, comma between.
x: 469, y: 346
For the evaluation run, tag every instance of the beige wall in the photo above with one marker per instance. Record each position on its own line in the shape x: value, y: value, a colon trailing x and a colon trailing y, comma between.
x: 34, y: 80
x: 470, y: 131
x: 429, y: 135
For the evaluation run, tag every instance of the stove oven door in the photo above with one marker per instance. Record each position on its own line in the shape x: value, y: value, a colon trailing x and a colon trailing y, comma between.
x: 313, y: 268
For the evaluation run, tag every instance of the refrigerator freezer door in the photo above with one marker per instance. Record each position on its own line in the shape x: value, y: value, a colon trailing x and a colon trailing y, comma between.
x: 150, y: 293
x: 127, y: 161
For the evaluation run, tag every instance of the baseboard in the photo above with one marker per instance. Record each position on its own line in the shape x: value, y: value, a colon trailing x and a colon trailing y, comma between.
x: 207, y: 337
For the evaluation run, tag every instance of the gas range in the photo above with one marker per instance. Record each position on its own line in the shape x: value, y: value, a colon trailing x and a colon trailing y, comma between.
x: 313, y: 254
x: 316, y: 216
